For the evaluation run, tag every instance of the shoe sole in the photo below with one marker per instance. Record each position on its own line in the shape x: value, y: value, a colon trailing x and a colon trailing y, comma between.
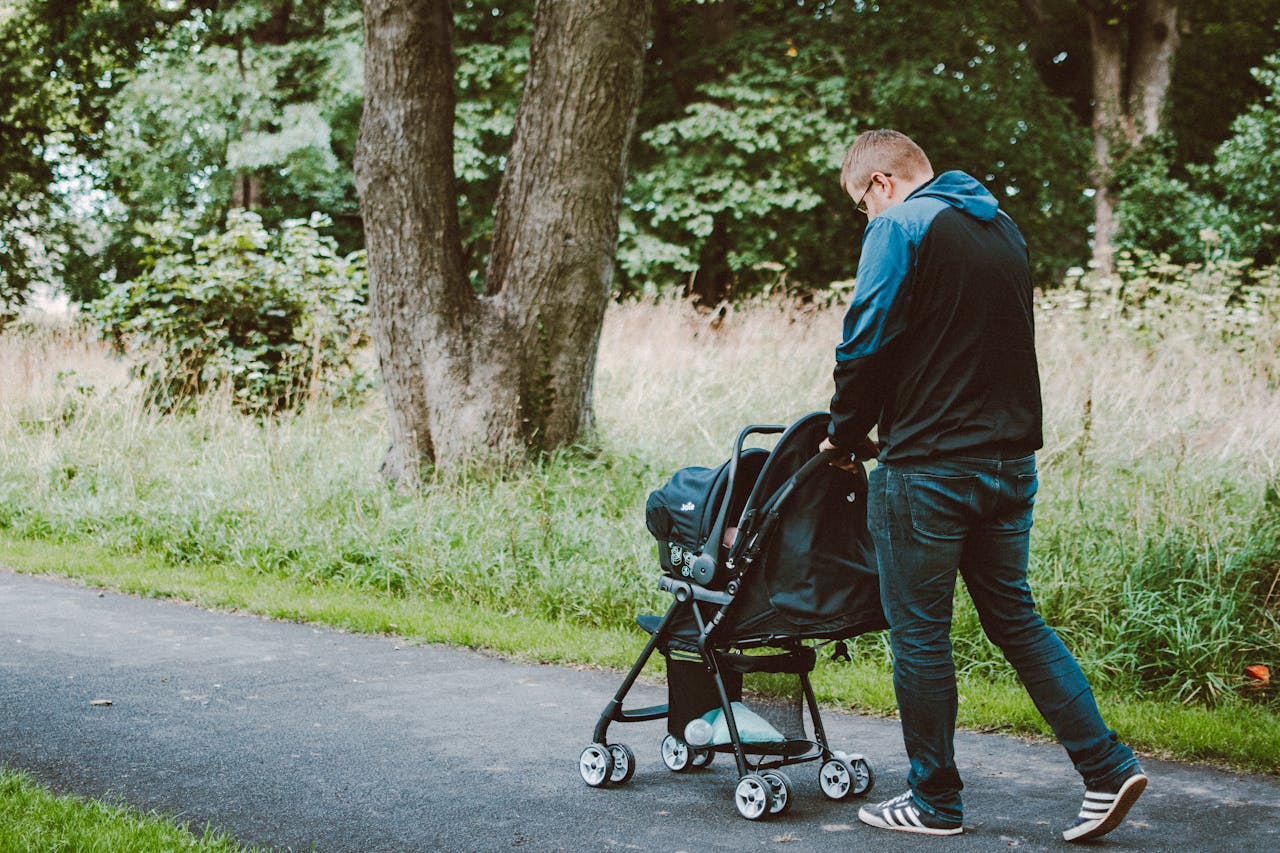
x: 1125, y: 798
x: 873, y: 819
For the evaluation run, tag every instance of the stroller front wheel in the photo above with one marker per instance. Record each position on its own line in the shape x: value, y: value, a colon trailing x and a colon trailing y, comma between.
x: 624, y: 764
x: 596, y: 765
x: 754, y: 797
x: 780, y: 802
x: 841, y: 778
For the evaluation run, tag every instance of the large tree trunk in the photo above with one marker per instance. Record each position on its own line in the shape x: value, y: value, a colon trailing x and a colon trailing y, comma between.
x: 1133, y: 45
x: 472, y: 375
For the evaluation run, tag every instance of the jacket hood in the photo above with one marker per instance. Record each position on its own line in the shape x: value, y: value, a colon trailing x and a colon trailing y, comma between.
x: 961, y: 190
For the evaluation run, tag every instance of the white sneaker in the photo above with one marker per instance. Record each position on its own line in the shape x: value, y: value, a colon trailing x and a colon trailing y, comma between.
x: 903, y: 814
x: 1103, y: 811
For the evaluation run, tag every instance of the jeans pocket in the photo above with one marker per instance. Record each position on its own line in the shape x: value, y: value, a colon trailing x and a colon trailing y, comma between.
x: 1016, y: 516
x: 940, y: 506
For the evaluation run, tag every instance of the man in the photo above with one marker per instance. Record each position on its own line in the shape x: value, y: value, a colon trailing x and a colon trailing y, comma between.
x: 939, y: 354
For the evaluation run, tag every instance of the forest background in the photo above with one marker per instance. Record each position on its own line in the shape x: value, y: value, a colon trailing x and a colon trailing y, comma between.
x: 208, y: 423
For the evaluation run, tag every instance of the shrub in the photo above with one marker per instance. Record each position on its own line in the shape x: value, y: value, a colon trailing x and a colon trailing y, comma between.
x: 1233, y: 198
x: 275, y: 317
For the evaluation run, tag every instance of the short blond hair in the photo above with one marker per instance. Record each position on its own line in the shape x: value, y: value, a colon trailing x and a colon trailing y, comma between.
x: 886, y: 151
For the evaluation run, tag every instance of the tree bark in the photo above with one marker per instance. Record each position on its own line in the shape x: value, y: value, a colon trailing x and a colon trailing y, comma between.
x: 472, y: 375
x: 1133, y: 48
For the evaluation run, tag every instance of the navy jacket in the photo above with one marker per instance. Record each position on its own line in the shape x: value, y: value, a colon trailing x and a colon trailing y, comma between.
x: 939, y: 341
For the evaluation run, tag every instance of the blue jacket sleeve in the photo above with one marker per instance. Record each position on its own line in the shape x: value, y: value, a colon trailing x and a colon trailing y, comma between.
x: 876, y: 317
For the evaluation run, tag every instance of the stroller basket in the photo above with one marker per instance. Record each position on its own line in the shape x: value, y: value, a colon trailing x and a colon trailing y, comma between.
x: 760, y: 555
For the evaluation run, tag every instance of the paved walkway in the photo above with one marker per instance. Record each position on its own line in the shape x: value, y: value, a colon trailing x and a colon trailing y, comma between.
x: 302, y: 738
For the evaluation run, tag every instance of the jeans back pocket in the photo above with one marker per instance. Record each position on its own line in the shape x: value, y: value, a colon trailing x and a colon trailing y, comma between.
x: 941, y: 506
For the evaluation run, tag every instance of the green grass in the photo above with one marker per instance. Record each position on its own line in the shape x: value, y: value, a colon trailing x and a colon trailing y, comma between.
x: 1155, y: 550
x: 32, y: 818
x: 1237, y: 733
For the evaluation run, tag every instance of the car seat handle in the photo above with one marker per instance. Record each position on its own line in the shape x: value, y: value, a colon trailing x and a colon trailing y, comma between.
x: 704, y: 567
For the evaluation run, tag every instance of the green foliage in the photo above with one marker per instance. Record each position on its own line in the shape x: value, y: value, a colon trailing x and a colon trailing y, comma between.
x: 1222, y: 41
x: 117, y: 112
x: 750, y: 109
x: 492, y: 56
x: 234, y: 108
x: 1245, y: 172
x: 723, y: 177
x: 1158, y: 212
x: 62, y: 63
x: 277, y: 317
x: 1227, y: 208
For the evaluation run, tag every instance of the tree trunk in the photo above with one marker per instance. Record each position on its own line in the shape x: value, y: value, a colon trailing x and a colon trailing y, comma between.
x: 1153, y: 42
x: 1107, y: 42
x: 471, y: 375
x: 1133, y: 50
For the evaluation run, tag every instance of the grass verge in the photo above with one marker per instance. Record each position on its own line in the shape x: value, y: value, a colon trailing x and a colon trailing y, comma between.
x: 33, y: 818
x: 1235, y: 734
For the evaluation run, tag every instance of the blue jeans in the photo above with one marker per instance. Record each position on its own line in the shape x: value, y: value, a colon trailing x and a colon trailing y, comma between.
x: 929, y: 520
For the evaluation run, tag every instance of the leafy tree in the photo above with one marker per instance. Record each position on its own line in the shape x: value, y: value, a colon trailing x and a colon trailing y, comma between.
x: 1114, y: 63
x: 1225, y: 208
x: 119, y: 110
x: 60, y: 62
x: 245, y: 105
x: 1222, y: 42
x: 1156, y: 212
x: 749, y: 108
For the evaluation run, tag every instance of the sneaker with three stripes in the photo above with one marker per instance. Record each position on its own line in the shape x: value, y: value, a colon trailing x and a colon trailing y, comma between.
x: 1104, y: 810
x: 905, y: 815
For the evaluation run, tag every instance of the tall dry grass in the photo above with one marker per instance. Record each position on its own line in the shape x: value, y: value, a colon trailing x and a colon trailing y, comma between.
x: 1158, y: 524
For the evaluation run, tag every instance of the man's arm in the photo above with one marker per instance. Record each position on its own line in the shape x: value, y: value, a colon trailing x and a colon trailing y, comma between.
x: 876, y: 317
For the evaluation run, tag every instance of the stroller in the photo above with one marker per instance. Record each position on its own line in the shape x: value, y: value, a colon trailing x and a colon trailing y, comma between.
x: 761, y: 554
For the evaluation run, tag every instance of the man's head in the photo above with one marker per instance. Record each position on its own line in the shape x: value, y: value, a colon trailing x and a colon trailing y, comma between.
x: 881, y: 169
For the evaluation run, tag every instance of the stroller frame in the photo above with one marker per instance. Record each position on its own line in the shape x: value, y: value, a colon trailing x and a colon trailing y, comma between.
x: 762, y: 790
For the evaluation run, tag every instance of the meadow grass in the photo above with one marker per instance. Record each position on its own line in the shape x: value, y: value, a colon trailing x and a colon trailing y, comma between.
x: 1155, y: 551
x: 33, y: 818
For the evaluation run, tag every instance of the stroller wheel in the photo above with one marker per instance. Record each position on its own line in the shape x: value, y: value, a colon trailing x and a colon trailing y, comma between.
x: 676, y: 754
x: 865, y: 779
x: 841, y: 778
x: 780, y: 802
x: 624, y: 763
x: 702, y: 757
x: 596, y: 765
x: 753, y: 797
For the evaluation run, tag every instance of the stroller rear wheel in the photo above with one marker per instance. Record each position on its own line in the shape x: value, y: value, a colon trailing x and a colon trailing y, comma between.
x: 677, y: 755
x: 702, y: 757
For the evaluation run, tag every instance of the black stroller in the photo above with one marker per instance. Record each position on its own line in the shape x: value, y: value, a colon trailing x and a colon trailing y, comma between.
x: 761, y: 554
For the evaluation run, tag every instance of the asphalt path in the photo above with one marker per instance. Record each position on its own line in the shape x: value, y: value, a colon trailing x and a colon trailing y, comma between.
x: 303, y: 738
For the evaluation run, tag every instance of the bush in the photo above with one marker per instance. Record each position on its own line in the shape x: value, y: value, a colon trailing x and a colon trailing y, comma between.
x: 1245, y: 171
x: 276, y: 317
x: 1232, y: 199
